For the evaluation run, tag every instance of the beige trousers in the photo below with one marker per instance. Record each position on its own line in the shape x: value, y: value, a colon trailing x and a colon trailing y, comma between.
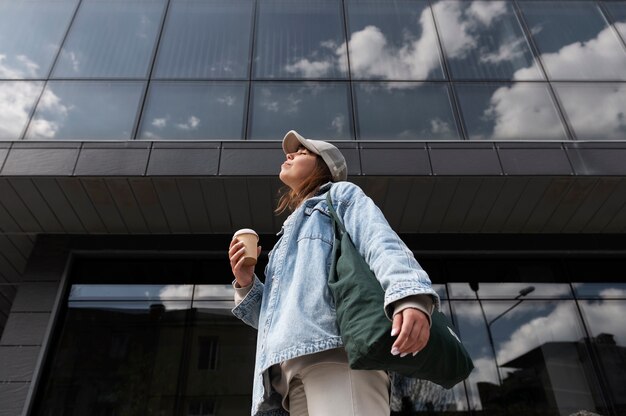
x: 334, y: 389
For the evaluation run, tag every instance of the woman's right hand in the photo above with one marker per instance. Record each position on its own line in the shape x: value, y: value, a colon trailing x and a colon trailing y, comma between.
x: 243, y: 274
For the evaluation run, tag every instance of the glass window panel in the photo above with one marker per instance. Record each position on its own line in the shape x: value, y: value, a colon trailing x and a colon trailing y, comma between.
x: 544, y: 365
x: 186, y: 111
x: 415, y: 397
x: 300, y: 40
x: 510, y: 290
x: 213, y: 292
x: 206, y: 39
x: 17, y: 99
x: 618, y: 14
x: 31, y: 32
x: 441, y: 290
x: 600, y: 290
x: 113, y: 39
x: 393, y: 40
x: 595, y: 111
x: 319, y: 110
x: 484, y: 40
x: 404, y: 111
x: 604, y: 320
x: 67, y: 110
x: 575, y: 41
x: 130, y: 292
x: 520, y: 111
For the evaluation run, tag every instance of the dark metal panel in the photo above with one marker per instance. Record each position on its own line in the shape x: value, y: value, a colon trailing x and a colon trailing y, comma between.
x: 13, y: 398
x: 13, y: 255
x: 180, y: 161
x: 82, y: 204
x: 611, y: 207
x: 478, y: 211
x: 350, y: 152
x: 395, y: 201
x: 17, y: 363
x: 41, y: 161
x: 25, y: 329
x: 238, y: 201
x: 59, y: 204
x: 376, y: 188
x: 216, y: 205
x: 598, y: 158
x: 195, y: 205
x: 28, y: 193
x: 545, y: 160
x: 103, y: 202
x: 387, y: 159
x: 602, y: 190
x: 4, y: 150
x: 168, y: 193
x: 243, y: 159
x: 550, y: 200
x: 7, y: 223
x: 112, y: 162
x: 575, y: 196
x: 417, y: 203
x: 500, y: 210
x: 618, y: 223
x: 464, y: 159
x: 438, y: 204
x: 8, y: 272
x: 17, y: 208
x: 24, y: 243
x: 276, y: 185
x: 528, y: 201
x: 149, y: 205
x: 458, y: 209
x: 35, y: 297
x: 261, y: 205
x: 127, y: 205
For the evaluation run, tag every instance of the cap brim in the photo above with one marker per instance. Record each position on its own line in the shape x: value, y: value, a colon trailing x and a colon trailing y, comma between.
x: 293, y: 140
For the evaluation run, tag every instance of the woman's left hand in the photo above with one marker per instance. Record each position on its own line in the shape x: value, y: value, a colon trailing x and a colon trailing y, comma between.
x: 414, y: 329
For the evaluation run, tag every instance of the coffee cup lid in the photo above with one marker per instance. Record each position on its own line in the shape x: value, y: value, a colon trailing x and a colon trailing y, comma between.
x: 246, y: 231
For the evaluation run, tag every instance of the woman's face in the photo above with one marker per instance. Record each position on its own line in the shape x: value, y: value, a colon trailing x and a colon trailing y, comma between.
x: 298, y: 166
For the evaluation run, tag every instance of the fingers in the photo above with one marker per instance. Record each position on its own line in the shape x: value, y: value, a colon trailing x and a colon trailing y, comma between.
x: 414, y: 332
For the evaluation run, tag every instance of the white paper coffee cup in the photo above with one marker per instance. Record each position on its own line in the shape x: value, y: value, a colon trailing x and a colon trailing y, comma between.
x: 250, y: 240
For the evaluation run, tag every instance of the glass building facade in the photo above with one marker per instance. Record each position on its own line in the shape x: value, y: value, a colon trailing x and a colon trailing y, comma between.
x: 115, y: 292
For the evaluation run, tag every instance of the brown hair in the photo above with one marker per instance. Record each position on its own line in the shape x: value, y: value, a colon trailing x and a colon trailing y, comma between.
x: 290, y: 199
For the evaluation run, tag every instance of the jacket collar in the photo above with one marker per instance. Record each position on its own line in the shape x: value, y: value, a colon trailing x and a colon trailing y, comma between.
x: 321, y: 190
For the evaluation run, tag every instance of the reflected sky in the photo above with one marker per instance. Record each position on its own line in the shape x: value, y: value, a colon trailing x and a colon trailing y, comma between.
x: 181, y: 110
x: 510, y: 290
x: 519, y: 111
x: 17, y: 99
x: 320, y: 110
x: 595, y: 111
x: 28, y: 50
x: 575, y: 41
x: 393, y: 40
x: 67, y: 110
x: 600, y: 290
x: 299, y: 39
x: 617, y: 11
x: 111, y: 39
x: 205, y: 39
x: 484, y: 40
x: 404, y: 111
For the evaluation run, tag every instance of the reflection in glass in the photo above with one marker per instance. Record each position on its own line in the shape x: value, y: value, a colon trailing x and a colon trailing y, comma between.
x: 544, y: 366
x: 130, y: 292
x: 510, y: 290
x: 618, y: 14
x: 111, y: 39
x: 300, y: 39
x: 575, y: 41
x: 217, y: 292
x: 17, y: 99
x: 600, y: 290
x: 484, y: 40
x: 404, y: 111
x: 520, y: 111
x: 604, y: 320
x: 206, y: 39
x: 70, y: 110
x: 595, y: 111
x: 393, y: 40
x: 320, y: 110
x: 199, y: 110
x: 31, y: 32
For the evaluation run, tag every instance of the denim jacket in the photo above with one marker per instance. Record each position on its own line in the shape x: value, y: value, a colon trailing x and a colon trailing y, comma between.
x: 293, y: 310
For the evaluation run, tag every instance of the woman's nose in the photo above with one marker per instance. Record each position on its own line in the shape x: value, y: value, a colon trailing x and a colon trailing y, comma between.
x: 289, y: 156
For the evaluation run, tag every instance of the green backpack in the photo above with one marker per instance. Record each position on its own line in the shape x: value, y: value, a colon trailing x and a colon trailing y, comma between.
x: 365, y: 329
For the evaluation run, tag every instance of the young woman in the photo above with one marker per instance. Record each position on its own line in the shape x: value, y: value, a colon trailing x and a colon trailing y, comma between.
x: 301, y: 366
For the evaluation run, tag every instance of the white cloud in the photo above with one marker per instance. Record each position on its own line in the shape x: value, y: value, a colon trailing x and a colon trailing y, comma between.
x: 16, y: 100
x: 22, y: 67
x: 229, y: 100
x: 338, y: 123
x: 51, y: 116
x: 192, y: 124
x: 159, y: 123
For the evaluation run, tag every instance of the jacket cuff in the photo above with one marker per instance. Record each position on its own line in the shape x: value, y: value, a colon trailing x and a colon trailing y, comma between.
x: 423, y: 303
x: 241, y: 292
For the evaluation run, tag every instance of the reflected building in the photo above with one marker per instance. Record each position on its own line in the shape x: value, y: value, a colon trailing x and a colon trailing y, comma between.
x: 137, y: 135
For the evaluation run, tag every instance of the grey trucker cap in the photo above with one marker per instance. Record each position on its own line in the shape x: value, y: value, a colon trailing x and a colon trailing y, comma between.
x: 329, y: 153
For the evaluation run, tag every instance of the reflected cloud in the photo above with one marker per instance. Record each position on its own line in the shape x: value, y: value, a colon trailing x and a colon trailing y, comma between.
x: 192, y: 123
x: 23, y: 67
x: 57, y: 113
x: 160, y: 123
x: 174, y: 292
x: 16, y: 101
